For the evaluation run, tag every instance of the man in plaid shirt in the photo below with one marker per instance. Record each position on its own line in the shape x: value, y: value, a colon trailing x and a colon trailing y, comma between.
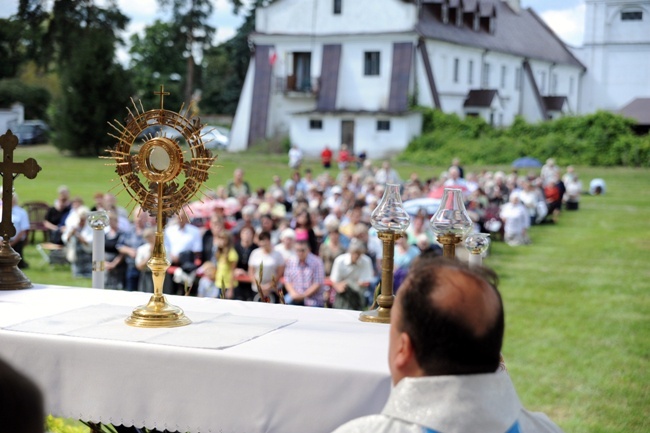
x: 304, y: 276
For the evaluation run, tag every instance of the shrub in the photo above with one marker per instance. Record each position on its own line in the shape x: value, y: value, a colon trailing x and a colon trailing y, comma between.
x: 598, y: 139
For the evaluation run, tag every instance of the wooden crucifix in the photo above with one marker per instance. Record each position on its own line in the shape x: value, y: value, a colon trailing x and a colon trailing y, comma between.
x: 10, y: 276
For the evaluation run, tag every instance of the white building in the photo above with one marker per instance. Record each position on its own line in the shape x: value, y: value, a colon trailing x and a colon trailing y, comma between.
x: 332, y: 72
x: 11, y: 117
x: 616, y: 52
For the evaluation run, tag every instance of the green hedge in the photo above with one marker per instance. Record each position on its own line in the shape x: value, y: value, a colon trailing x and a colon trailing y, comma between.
x: 599, y: 139
x: 35, y: 99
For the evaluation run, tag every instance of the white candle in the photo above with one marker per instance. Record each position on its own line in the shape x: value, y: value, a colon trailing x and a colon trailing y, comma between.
x: 475, y: 260
x: 98, y: 221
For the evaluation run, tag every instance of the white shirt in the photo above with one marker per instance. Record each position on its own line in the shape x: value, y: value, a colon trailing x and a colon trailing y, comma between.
x: 272, y: 261
x: 295, y: 157
x: 344, y: 270
x: 183, y: 239
x: 515, y: 218
x: 485, y: 403
x: 20, y: 220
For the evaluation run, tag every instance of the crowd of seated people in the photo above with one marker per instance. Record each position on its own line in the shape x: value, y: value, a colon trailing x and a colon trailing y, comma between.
x: 248, y: 244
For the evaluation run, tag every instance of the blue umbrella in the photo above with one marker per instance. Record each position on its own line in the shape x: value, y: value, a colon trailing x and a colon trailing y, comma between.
x: 526, y: 162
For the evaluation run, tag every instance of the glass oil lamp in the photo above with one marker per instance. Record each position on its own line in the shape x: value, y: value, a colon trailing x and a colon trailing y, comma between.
x: 477, y: 244
x: 390, y: 220
x: 451, y: 222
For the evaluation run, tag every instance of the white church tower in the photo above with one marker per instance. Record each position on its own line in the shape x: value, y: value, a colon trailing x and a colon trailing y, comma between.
x: 616, y: 52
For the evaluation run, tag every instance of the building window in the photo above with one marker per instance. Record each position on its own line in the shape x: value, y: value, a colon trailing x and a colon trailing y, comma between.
x: 456, y: 67
x: 383, y: 125
x: 300, y: 80
x: 371, y: 63
x: 338, y: 7
x: 632, y: 16
x: 504, y: 70
x: 485, y: 79
x: 470, y: 72
x: 315, y: 124
x: 518, y: 78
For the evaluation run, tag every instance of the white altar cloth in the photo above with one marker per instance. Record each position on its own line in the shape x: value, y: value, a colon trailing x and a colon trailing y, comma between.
x: 321, y: 369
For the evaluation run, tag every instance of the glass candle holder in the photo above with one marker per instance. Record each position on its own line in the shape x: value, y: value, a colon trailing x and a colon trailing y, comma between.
x: 389, y: 215
x: 451, y: 222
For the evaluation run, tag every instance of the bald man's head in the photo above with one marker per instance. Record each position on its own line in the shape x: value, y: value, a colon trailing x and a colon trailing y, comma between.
x: 453, y: 316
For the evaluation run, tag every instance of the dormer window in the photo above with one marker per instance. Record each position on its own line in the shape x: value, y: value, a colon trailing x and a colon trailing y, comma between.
x: 338, y: 7
x: 631, y: 15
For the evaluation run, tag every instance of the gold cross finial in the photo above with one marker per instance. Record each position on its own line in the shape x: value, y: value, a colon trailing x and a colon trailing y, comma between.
x: 162, y: 94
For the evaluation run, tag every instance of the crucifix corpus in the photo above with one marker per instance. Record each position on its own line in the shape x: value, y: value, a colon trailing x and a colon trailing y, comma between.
x: 11, y: 278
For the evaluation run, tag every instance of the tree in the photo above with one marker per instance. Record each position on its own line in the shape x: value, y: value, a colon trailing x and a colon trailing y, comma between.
x: 191, y: 20
x: 11, y: 52
x: 157, y: 59
x: 225, y: 67
x: 95, y: 88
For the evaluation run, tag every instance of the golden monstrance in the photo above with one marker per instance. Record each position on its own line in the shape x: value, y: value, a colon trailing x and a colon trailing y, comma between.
x: 162, y: 177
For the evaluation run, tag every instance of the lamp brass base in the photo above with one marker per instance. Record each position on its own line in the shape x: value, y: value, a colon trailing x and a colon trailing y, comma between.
x: 11, y: 278
x: 380, y: 315
x: 158, y: 313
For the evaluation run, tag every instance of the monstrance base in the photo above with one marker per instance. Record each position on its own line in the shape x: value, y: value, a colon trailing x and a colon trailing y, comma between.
x: 158, y: 313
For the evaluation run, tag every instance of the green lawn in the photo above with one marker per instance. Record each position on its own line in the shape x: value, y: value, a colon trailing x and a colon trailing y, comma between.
x: 577, y: 305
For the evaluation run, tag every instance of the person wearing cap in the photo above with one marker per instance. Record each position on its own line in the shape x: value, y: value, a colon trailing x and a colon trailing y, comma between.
x: 335, y: 197
x: 352, y: 274
x: 285, y: 247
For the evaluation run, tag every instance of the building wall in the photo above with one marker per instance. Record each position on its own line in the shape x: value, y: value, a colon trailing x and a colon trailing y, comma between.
x: 289, y: 27
x: 616, y: 53
x: 12, y: 117
x: 317, y: 17
x: 377, y: 144
x: 241, y: 121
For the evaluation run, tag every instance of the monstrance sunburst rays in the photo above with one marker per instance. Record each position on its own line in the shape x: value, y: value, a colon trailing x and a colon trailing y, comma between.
x: 140, y: 176
x: 152, y: 174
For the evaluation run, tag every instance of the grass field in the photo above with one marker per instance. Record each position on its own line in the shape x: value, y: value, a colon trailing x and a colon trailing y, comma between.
x: 577, y: 300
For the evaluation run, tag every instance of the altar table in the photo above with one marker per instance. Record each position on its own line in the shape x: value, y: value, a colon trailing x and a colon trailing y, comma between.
x: 322, y: 369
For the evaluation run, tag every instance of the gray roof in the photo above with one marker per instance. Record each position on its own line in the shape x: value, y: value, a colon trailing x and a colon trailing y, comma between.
x: 480, y: 98
x: 638, y: 109
x: 522, y: 34
x: 554, y: 103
